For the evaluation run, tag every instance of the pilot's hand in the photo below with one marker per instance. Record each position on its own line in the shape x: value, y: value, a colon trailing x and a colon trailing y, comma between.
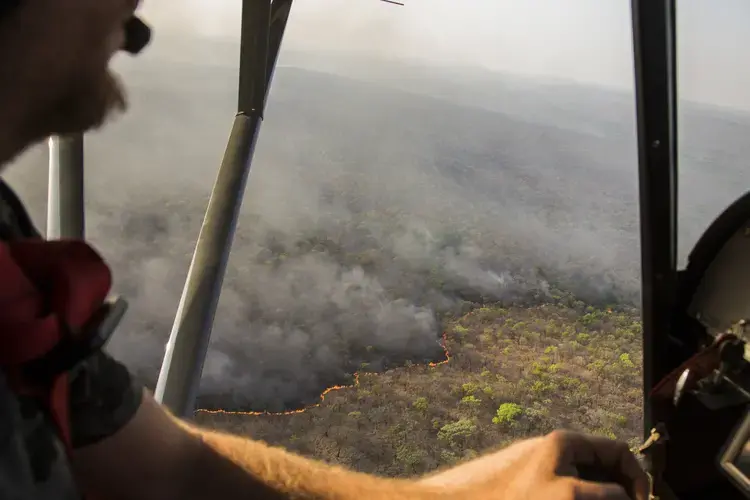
x: 551, y: 467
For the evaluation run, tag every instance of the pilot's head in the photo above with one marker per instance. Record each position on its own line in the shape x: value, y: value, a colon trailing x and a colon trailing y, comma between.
x: 54, y: 67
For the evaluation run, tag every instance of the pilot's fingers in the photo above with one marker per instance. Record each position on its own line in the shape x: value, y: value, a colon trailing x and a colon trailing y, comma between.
x: 613, y: 457
x: 586, y: 490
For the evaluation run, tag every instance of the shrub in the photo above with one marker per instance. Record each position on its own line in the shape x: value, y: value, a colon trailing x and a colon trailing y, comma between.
x: 460, y: 429
x: 470, y: 388
x: 507, y: 413
x: 626, y: 361
x: 471, y: 400
x: 421, y: 404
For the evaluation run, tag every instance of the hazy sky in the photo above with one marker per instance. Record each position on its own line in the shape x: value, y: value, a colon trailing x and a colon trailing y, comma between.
x: 583, y: 40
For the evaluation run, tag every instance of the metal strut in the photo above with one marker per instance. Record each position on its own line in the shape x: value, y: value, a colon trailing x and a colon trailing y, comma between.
x: 65, y: 195
x: 656, y: 111
x: 263, y: 25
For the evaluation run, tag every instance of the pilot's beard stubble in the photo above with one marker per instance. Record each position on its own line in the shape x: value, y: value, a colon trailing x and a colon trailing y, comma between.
x: 87, y: 106
x: 76, y: 95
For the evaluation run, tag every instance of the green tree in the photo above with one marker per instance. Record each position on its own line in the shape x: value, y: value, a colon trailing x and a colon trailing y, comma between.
x: 463, y: 428
x: 421, y: 404
x: 507, y: 413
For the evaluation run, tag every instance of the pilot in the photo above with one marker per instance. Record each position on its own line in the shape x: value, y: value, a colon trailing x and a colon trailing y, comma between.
x: 54, y: 59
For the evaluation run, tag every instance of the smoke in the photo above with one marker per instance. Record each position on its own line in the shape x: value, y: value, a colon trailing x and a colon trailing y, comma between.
x: 382, y: 198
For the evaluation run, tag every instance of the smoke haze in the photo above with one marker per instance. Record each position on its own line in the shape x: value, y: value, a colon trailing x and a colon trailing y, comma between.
x: 391, y: 183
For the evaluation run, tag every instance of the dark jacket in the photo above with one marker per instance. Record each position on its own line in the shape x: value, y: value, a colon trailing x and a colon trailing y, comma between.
x: 33, y: 462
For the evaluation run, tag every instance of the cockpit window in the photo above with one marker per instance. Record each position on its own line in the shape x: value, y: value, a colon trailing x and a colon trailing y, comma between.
x: 714, y: 112
x: 438, y: 248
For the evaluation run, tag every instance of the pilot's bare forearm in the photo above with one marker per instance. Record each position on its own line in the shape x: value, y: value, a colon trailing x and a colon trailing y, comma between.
x: 235, y: 467
x: 156, y: 456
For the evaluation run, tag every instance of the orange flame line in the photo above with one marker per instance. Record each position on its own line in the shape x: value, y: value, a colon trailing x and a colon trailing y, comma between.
x: 444, y: 345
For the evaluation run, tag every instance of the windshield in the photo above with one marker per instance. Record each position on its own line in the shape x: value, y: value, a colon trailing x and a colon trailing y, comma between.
x: 438, y: 248
x: 714, y: 120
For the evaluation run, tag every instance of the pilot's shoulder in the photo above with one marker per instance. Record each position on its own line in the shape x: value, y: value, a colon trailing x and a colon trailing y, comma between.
x: 103, y: 394
x: 32, y: 459
x: 15, y: 221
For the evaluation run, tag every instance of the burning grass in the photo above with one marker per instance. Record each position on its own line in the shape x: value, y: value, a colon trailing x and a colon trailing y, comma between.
x: 513, y: 372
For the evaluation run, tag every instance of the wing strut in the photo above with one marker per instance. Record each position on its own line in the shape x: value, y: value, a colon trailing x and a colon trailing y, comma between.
x: 263, y: 25
x: 65, y: 196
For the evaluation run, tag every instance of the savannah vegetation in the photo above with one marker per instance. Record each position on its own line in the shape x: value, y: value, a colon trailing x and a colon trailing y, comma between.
x: 512, y: 372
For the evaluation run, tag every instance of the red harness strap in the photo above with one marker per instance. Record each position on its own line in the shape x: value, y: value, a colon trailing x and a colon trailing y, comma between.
x: 49, y: 291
